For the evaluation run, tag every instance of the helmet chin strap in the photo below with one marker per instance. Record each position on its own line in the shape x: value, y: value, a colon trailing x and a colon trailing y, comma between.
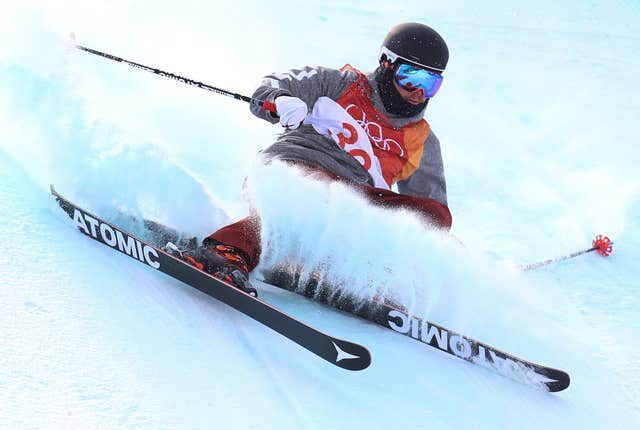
x: 391, y: 98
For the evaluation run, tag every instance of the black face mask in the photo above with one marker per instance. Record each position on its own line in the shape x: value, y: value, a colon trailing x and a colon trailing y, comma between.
x: 391, y: 98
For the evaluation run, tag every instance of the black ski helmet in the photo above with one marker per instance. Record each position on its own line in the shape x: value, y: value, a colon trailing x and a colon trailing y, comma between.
x: 417, y: 44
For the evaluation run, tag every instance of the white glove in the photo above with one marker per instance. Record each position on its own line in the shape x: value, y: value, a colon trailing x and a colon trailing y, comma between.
x: 291, y: 110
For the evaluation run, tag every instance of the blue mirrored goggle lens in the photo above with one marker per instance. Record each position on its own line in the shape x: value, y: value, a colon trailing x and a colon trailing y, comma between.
x: 412, y: 78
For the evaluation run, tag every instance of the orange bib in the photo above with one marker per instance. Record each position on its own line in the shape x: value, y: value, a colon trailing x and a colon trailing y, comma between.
x: 398, y: 150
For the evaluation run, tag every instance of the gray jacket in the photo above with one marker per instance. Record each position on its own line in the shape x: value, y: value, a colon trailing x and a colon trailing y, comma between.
x: 305, y: 145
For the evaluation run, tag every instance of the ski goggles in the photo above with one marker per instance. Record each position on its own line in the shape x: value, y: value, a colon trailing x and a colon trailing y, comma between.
x: 413, y: 78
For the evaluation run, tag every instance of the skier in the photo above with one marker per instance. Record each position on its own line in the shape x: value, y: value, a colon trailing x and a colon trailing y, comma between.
x: 366, y: 130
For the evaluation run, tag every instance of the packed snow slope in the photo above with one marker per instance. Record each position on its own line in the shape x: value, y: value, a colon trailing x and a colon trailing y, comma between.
x: 537, y: 119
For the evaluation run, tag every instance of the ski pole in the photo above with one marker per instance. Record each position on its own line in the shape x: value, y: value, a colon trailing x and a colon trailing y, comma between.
x: 601, y: 243
x: 266, y: 105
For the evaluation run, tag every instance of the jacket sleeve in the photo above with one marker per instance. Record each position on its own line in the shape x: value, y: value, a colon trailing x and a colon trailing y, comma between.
x: 428, y: 180
x: 307, y: 83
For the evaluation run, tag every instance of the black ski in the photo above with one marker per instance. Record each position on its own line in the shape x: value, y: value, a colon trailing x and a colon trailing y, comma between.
x: 392, y: 317
x: 341, y: 353
x: 434, y: 335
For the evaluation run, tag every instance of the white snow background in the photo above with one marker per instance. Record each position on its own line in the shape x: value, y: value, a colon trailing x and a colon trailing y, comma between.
x: 538, y: 121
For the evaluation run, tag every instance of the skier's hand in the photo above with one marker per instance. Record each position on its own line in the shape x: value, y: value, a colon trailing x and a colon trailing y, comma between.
x: 291, y: 110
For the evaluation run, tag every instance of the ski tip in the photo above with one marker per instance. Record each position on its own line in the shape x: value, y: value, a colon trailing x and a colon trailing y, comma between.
x: 561, y: 381
x: 350, y: 356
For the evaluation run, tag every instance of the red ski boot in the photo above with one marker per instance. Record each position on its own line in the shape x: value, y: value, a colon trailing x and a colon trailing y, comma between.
x: 221, y: 261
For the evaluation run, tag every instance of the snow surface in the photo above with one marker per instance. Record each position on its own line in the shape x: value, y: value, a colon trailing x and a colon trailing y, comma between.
x: 538, y: 123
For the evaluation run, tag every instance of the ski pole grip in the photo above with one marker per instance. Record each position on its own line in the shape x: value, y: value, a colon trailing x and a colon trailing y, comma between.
x: 269, y: 107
